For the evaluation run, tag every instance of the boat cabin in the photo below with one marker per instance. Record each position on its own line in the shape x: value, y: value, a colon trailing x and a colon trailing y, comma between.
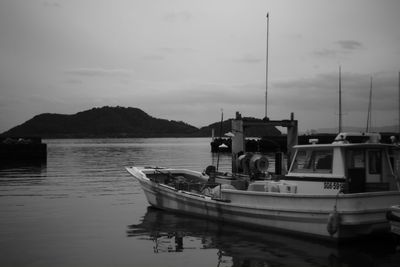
x: 343, y: 166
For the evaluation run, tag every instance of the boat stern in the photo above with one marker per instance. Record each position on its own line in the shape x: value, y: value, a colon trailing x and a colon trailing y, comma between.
x: 393, y: 216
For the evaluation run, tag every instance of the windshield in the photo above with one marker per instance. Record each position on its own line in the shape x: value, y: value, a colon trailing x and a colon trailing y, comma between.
x: 313, y: 161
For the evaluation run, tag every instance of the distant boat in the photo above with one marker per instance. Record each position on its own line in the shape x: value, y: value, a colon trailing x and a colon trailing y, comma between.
x: 333, y: 191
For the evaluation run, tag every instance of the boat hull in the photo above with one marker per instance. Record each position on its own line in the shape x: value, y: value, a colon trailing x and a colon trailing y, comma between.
x: 357, y: 214
x: 393, y: 216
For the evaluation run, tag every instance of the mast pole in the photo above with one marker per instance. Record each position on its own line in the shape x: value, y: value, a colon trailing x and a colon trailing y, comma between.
x: 266, y: 70
x: 369, y: 108
x: 340, y: 99
x: 220, y: 135
x: 399, y: 102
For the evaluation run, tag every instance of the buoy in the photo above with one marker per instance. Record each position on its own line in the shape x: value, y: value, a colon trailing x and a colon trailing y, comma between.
x: 333, y: 222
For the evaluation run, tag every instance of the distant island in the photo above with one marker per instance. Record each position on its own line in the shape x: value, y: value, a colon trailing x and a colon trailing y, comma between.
x: 119, y: 122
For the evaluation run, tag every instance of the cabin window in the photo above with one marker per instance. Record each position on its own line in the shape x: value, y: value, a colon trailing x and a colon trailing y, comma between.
x: 374, y: 161
x: 356, y: 158
x: 313, y: 161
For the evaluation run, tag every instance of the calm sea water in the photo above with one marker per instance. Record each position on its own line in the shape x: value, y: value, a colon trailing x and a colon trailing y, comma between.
x: 83, y: 209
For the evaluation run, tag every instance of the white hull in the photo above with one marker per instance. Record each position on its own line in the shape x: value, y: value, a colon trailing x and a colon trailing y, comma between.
x: 360, y: 214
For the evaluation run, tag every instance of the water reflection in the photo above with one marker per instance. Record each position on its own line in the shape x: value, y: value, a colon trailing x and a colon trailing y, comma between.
x: 238, y: 246
x: 22, y: 172
x: 23, y: 164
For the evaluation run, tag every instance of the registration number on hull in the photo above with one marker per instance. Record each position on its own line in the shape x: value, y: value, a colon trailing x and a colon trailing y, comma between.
x: 333, y: 185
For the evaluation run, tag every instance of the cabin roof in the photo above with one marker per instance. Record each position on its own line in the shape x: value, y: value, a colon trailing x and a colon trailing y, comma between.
x: 347, y: 145
x: 352, y: 140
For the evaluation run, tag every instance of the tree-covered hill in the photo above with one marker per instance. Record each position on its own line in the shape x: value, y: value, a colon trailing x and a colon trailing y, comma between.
x: 119, y: 122
x: 101, y: 122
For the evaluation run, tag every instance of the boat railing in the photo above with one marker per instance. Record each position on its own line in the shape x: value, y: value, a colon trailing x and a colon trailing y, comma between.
x: 180, y: 183
x: 209, y: 189
x: 188, y: 186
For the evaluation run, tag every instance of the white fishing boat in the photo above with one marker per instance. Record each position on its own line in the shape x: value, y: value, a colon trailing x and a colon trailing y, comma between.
x: 335, y: 191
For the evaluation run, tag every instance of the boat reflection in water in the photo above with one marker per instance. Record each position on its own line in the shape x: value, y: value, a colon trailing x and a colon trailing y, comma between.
x: 239, y: 246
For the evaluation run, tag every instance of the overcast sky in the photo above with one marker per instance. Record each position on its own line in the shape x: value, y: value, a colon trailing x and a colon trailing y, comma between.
x: 186, y: 60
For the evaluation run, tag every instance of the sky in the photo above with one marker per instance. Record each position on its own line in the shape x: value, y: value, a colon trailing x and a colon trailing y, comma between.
x: 187, y: 60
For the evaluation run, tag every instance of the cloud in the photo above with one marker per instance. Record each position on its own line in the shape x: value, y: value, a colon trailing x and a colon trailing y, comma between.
x: 50, y: 4
x: 89, y: 72
x: 321, y: 91
x: 251, y: 59
x: 349, y: 44
x: 73, y: 81
x: 176, y: 49
x: 178, y: 16
x: 153, y: 57
x: 164, y: 53
x: 326, y: 53
x: 342, y: 47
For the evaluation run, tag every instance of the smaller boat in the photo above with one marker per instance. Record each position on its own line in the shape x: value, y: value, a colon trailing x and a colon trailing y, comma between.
x: 334, y: 191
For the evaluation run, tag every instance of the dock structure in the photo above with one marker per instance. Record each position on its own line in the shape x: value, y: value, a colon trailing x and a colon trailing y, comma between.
x: 279, y: 143
x: 238, y: 145
x: 14, y: 149
x: 238, y: 138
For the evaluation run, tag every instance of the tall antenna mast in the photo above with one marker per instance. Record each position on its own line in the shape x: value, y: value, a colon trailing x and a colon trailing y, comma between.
x: 220, y: 135
x: 369, y: 107
x: 399, y: 102
x: 266, y: 70
x: 340, y: 99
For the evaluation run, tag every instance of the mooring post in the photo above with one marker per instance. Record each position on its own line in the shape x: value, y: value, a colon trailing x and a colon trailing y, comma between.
x: 237, y: 140
x: 278, y: 163
x: 292, y: 136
